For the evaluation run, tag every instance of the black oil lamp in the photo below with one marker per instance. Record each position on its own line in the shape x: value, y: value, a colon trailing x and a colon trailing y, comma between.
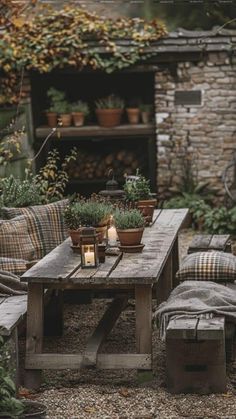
x: 112, y: 191
x: 89, y: 248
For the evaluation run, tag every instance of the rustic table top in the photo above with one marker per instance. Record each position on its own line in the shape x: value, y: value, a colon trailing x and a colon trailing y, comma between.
x: 63, y: 266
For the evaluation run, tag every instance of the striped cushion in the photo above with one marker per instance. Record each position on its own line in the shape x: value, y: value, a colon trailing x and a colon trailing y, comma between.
x: 208, y: 266
x: 15, y: 266
x: 45, y: 223
x: 15, y: 241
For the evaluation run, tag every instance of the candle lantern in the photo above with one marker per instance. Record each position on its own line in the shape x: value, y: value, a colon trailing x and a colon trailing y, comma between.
x: 89, y: 248
x: 112, y: 191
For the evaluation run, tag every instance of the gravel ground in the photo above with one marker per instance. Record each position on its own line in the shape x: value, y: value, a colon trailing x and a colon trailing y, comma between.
x: 120, y: 394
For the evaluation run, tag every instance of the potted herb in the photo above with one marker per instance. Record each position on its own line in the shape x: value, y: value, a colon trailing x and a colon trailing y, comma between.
x: 146, y: 113
x: 138, y: 192
x: 55, y: 97
x: 129, y: 226
x: 88, y: 213
x: 79, y: 111
x: 10, y: 405
x: 109, y: 111
x: 64, y: 112
x: 73, y: 222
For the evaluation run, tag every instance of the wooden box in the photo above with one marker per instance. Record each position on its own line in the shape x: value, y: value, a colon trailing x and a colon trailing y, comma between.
x: 195, y: 351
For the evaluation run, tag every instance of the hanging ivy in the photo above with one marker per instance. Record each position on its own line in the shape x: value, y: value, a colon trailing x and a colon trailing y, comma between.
x: 73, y: 37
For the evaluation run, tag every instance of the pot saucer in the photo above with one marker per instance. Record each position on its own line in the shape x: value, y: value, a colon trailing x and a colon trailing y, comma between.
x: 132, y: 249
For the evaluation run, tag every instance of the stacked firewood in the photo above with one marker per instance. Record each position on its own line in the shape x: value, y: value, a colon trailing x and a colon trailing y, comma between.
x: 97, y: 166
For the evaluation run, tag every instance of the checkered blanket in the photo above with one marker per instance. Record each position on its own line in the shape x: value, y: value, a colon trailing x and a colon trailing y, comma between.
x: 197, y: 299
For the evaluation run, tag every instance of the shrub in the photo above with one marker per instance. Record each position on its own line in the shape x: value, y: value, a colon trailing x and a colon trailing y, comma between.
x: 87, y: 213
x: 221, y: 221
x: 128, y: 219
x: 15, y: 192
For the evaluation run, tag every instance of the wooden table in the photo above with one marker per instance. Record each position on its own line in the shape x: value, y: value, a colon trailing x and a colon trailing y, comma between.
x: 153, y: 270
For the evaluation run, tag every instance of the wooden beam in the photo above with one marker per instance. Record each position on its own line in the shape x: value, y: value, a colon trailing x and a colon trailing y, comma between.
x: 104, y: 361
x: 143, y: 305
x: 102, y: 330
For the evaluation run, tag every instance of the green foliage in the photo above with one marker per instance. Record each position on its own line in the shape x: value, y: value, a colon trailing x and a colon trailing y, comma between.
x: 55, y: 95
x: 89, y: 212
x: 110, y: 102
x: 127, y: 219
x: 137, y: 189
x: 53, y: 177
x: 221, y: 221
x: 80, y: 106
x: 9, y: 405
x: 15, y: 192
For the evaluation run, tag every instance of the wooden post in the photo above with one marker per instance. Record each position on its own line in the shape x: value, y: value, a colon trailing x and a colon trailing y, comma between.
x: 34, y: 338
x: 143, y: 299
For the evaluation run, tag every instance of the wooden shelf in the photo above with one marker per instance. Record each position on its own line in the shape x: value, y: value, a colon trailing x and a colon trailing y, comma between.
x: 97, y: 131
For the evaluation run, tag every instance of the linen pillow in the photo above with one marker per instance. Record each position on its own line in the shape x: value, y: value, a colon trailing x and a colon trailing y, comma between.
x: 45, y: 223
x: 15, y: 266
x: 208, y: 266
x: 15, y: 241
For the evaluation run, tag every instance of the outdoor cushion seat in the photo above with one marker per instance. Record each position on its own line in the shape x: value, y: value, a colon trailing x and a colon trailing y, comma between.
x: 213, y: 266
x: 15, y: 241
x: 13, y: 265
x: 45, y: 224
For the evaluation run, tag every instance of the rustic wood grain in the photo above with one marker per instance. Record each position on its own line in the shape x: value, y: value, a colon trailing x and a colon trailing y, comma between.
x: 12, y: 311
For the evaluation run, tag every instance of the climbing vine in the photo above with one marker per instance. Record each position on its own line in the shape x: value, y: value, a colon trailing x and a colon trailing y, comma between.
x: 72, y: 37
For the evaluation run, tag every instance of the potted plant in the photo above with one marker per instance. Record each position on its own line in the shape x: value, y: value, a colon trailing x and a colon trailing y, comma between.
x: 133, y: 112
x: 109, y: 111
x: 146, y: 113
x: 129, y: 226
x: 55, y: 97
x: 90, y: 213
x: 79, y: 111
x: 138, y: 192
x: 64, y: 112
x: 10, y: 405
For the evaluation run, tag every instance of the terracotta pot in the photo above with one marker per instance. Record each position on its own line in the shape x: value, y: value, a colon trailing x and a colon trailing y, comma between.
x: 133, y: 115
x: 130, y: 237
x: 146, y: 117
x: 101, y: 231
x: 147, y: 202
x: 109, y: 117
x: 78, y: 119
x: 65, y: 119
x: 147, y: 211
x: 75, y: 236
x: 52, y: 119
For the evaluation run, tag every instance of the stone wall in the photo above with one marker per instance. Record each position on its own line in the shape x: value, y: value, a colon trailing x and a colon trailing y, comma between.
x: 195, y: 142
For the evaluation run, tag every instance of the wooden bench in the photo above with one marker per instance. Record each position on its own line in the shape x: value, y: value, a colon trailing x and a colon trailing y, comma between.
x: 195, y: 355
x: 205, y: 242
x: 12, y: 313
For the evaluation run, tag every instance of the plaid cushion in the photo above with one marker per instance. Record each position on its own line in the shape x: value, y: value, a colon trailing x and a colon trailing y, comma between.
x: 15, y: 241
x: 15, y: 266
x: 208, y: 266
x: 45, y: 223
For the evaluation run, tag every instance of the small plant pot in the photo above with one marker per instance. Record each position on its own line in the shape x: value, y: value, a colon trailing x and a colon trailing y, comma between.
x: 109, y: 117
x: 133, y: 115
x: 146, y: 117
x: 65, y: 119
x: 75, y: 236
x: 147, y: 202
x: 52, y: 119
x: 130, y: 237
x: 78, y: 119
x: 147, y: 211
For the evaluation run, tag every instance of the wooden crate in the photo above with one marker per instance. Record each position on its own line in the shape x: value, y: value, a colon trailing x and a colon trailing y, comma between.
x: 195, y: 356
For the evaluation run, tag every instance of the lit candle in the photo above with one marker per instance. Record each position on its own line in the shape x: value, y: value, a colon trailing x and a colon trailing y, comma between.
x: 89, y: 258
x: 112, y: 235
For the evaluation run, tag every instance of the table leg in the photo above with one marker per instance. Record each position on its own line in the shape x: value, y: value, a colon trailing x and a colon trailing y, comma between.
x: 143, y: 304
x: 175, y: 262
x: 34, y: 338
x: 164, y: 284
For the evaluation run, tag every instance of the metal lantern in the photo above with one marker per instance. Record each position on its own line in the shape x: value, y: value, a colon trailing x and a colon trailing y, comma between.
x: 112, y: 191
x: 89, y: 248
